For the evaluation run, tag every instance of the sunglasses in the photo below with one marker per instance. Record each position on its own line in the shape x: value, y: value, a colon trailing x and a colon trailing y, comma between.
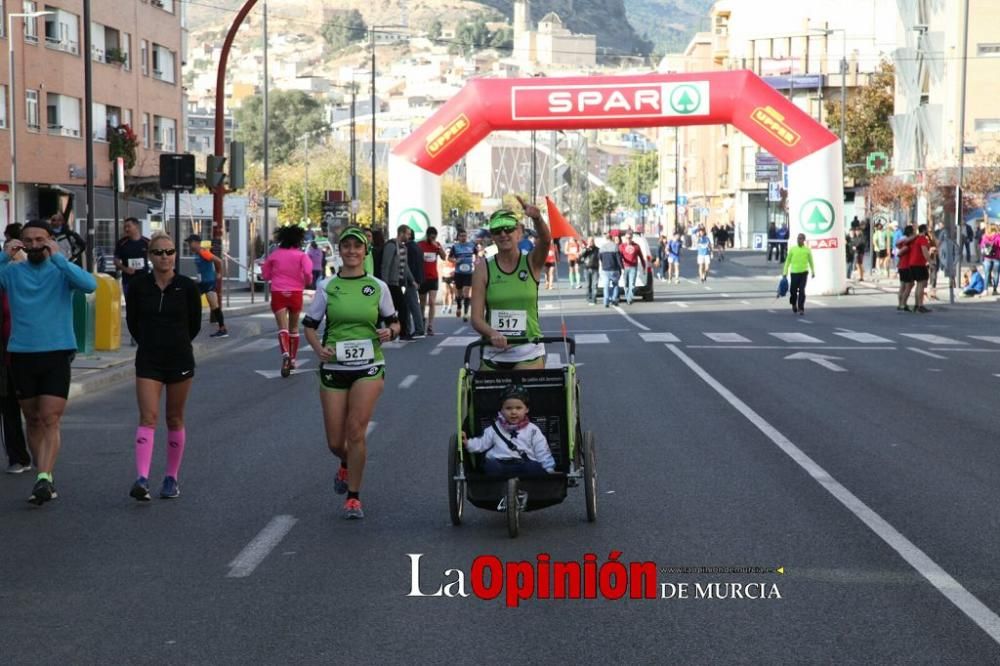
x: 502, y: 230
x: 163, y: 253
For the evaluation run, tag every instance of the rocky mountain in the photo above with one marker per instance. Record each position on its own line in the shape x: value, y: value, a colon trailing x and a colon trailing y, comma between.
x: 622, y: 26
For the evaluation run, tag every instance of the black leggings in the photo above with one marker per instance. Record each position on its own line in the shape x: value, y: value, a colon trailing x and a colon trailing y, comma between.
x: 797, y: 290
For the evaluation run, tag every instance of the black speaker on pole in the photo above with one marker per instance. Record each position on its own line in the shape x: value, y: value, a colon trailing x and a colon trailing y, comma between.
x: 176, y: 171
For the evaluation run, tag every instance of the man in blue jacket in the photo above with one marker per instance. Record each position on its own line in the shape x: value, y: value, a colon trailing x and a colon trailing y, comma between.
x: 611, y: 264
x: 42, y: 342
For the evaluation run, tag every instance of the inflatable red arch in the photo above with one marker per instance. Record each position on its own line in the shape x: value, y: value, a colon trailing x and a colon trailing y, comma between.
x: 740, y: 98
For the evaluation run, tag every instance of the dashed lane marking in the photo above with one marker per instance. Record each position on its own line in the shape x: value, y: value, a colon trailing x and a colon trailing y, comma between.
x: 926, y: 353
x: 630, y: 319
x: 863, y: 338
x: 591, y: 338
x: 458, y: 341
x: 407, y: 381
x: 659, y: 337
x: 933, y: 339
x: 796, y: 338
x: 726, y: 337
x: 261, y: 546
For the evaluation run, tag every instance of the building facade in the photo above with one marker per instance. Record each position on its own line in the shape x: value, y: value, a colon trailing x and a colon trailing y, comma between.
x: 136, y: 60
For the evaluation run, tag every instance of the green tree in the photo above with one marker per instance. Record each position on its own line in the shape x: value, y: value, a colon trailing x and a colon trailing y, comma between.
x: 293, y: 114
x: 867, y: 120
x: 434, y: 30
x: 455, y: 195
x: 345, y: 27
x: 602, y: 204
x: 637, y: 175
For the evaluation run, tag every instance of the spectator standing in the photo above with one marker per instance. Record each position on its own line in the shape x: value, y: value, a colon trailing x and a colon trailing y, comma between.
x: 860, y: 243
x: 42, y: 342
x: 397, y: 275
x: 880, y: 250
x: 920, y: 257
x: 70, y: 243
x: 317, y: 259
x: 989, y: 249
x: 591, y: 260
x: 611, y: 264
x: 772, y: 241
x: 415, y: 259
x: 18, y: 458
x: 631, y: 258
x: 783, y: 241
x: 903, y: 264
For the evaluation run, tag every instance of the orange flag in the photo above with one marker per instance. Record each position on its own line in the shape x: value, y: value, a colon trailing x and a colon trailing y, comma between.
x: 559, y: 225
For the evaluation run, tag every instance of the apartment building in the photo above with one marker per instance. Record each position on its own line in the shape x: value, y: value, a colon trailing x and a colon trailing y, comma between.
x: 136, y: 61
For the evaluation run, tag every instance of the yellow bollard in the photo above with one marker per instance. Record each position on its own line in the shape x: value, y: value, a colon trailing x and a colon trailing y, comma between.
x: 204, y: 302
x: 108, y: 318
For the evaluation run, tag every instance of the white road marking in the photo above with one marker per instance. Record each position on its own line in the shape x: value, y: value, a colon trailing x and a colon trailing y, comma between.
x: 458, y: 341
x: 987, y: 338
x: 933, y: 339
x: 261, y: 546
x: 553, y: 360
x: 819, y: 303
x: 630, y: 319
x: 257, y: 345
x: 681, y: 304
x: 819, y: 359
x: 789, y: 347
x: 370, y: 428
x: 926, y: 353
x: 590, y: 338
x: 659, y: 337
x: 407, y: 381
x: 726, y: 337
x: 797, y: 338
x: 952, y: 590
x: 725, y: 295
x: 460, y: 330
x: 863, y: 338
x: 437, y: 350
x: 745, y: 302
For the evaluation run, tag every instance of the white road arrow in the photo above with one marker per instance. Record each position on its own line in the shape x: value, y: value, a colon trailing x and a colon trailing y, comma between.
x: 818, y: 359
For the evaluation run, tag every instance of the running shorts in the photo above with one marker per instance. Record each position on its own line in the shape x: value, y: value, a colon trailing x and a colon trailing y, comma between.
x: 41, y: 373
x: 147, y: 370
x: 881, y: 254
x: 905, y: 276
x: 463, y: 280
x: 704, y: 259
x: 205, y: 287
x: 286, y: 300
x: 427, y: 286
x: 573, y: 263
x: 342, y: 380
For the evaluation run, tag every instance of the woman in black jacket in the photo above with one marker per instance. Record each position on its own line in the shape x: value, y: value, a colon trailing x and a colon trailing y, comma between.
x: 163, y: 313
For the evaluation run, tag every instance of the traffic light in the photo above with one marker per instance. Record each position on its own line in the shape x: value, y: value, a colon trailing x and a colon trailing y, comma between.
x: 215, y: 175
x: 236, y: 165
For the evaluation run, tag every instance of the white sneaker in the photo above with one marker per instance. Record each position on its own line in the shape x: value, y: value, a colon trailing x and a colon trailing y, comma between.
x: 18, y: 468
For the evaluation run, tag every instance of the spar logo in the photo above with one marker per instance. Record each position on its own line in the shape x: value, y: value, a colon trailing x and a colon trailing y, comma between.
x: 445, y: 134
x: 816, y: 216
x: 774, y: 123
x: 610, y: 100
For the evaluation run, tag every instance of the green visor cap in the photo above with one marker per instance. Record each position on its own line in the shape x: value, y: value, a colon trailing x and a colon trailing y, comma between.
x: 355, y: 233
x: 503, y: 219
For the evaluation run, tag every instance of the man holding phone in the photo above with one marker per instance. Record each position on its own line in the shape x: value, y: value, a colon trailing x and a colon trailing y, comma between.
x: 42, y: 342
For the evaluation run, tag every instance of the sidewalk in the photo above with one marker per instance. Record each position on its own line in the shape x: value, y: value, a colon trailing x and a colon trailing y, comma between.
x: 94, y: 372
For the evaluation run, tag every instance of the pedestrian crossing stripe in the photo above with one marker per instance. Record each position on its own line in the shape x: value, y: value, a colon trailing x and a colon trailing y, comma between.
x: 992, y: 339
x: 863, y: 338
x: 726, y: 337
x: 591, y: 338
x: 933, y: 339
x: 659, y: 337
x: 797, y: 338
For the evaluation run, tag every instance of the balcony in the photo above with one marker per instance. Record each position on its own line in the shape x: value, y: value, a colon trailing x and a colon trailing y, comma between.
x: 62, y: 45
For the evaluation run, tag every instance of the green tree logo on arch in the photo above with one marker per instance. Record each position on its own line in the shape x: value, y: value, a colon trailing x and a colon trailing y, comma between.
x: 816, y: 216
x: 416, y: 219
x: 685, y: 99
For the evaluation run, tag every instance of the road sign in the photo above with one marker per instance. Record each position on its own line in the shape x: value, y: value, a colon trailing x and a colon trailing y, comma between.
x: 643, y: 199
x: 877, y: 162
x: 682, y: 200
x: 759, y: 240
x: 766, y: 167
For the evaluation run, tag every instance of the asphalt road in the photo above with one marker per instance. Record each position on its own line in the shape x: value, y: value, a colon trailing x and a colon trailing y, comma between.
x: 865, y: 465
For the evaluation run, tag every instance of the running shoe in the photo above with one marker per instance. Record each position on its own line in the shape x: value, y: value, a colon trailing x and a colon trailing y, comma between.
x: 419, y: 336
x: 340, y: 481
x: 286, y: 366
x: 18, y: 468
x: 42, y: 492
x: 352, y: 510
x: 458, y: 314
x: 140, y: 489
x: 465, y: 318
x: 169, y: 489
x: 430, y: 331
x: 221, y: 333
x: 922, y: 309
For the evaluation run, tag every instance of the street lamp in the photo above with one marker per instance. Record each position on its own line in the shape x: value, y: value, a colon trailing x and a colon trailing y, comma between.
x: 11, y: 116
x: 353, y: 87
x: 843, y: 90
x: 372, y: 30
x: 305, y: 181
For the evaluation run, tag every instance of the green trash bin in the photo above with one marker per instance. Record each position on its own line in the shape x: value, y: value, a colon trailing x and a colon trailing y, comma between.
x: 84, y: 318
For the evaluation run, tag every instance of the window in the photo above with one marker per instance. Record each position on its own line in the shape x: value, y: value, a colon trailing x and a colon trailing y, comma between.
x: 3, y: 106
x: 127, y: 117
x: 144, y: 57
x: 987, y: 124
x: 164, y: 134
x: 62, y: 31
x: 31, y: 114
x: 988, y: 50
x: 62, y: 114
x: 163, y: 63
x: 145, y: 130
x: 30, y: 24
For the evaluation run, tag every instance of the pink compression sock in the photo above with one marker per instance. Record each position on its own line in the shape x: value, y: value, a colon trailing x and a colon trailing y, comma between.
x: 144, y: 437
x: 175, y: 451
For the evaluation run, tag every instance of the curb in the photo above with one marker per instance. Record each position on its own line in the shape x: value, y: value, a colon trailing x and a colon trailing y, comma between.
x: 126, y: 370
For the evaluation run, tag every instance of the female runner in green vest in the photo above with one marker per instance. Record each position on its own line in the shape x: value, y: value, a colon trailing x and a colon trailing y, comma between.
x: 352, y: 366
x: 505, y: 293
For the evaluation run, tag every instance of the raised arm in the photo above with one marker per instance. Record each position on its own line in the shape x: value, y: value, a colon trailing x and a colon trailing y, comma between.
x: 541, y: 250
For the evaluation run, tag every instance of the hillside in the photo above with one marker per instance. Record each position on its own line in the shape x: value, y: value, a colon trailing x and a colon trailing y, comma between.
x: 665, y: 24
